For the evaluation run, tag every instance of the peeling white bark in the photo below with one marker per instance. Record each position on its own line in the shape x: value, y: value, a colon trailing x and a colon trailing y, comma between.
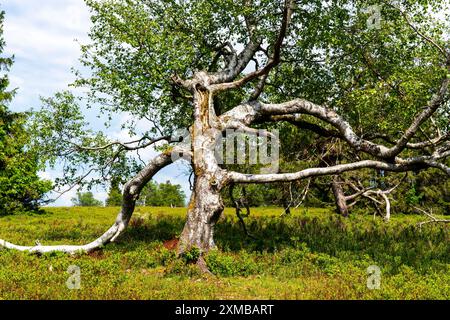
x: 206, y: 206
x: 130, y: 195
x: 315, y: 172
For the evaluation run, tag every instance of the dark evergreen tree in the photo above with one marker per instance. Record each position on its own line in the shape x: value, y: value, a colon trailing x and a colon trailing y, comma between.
x: 86, y: 199
x: 20, y: 186
x: 163, y: 195
x: 114, y: 195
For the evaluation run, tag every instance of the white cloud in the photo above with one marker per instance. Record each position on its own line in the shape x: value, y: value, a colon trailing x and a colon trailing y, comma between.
x: 40, y: 34
x: 101, y: 195
x: 64, y: 200
x: 45, y: 175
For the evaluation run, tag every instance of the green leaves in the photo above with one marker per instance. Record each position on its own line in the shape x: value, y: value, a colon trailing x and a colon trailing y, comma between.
x: 20, y: 186
x: 376, y: 78
x: 162, y: 195
x: 62, y: 137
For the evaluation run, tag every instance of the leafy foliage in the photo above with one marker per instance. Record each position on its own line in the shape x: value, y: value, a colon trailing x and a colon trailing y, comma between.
x: 162, y: 195
x: 378, y: 78
x: 86, y: 199
x: 60, y: 135
x: 20, y: 186
x: 311, y: 255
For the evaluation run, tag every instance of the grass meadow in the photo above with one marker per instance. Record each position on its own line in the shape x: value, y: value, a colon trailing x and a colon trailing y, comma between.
x: 311, y: 254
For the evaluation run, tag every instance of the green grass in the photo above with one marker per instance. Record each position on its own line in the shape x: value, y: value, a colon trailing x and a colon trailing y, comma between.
x: 312, y: 254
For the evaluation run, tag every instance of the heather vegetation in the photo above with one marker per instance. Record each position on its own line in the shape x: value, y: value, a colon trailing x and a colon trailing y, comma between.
x: 311, y: 254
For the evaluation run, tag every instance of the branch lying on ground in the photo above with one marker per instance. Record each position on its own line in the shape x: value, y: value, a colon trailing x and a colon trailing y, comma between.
x: 368, y: 193
x: 131, y: 193
x: 303, y: 195
x: 432, y: 219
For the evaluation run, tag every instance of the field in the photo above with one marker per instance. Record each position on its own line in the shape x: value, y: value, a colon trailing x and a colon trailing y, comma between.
x: 312, y: 254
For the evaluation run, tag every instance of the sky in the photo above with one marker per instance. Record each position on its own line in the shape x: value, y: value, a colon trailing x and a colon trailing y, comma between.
x: 44, y: 36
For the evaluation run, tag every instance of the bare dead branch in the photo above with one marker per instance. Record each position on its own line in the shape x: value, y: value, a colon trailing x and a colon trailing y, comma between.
x: 432, y: 218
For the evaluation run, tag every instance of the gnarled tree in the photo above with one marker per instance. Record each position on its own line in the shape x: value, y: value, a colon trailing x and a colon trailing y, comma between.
x: 331, y: 69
